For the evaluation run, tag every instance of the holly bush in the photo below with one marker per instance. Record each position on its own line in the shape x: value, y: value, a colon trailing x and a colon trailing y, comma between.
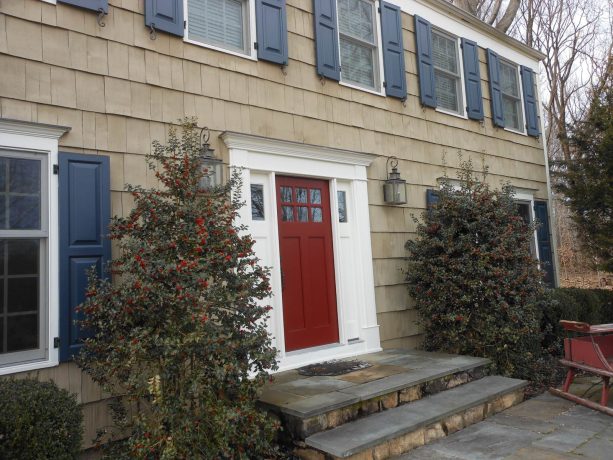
x: 477, y: 288
x: 180, y: 339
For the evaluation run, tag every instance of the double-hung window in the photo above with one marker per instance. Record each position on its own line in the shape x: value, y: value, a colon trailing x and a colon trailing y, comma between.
x: 24, y: 232
x: 220, y: 23
x: 359, y: 56
x: 447, y: 73
x: 511, y: 96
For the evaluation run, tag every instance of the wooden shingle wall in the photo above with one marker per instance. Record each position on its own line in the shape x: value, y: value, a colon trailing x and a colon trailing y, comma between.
x: 119, y: 90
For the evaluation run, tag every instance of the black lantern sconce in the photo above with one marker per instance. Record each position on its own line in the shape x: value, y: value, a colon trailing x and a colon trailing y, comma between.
x: 395, y: 188
x: 212, y: 167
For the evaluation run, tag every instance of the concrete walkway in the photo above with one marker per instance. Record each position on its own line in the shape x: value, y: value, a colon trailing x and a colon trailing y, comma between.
x: 542, y: 428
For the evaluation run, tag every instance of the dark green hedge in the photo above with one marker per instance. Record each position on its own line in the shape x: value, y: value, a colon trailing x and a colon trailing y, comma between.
x: 38, y: 420
x: 593, y: 306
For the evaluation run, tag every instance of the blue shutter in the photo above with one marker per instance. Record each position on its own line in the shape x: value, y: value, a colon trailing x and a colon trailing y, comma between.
x: 84, y: 218
x: 432, y: 197
x: 393, y: 51
x: 530, y: 101
x: 165, y: 15
x: 493, y: 67
x: 472, y: 79
x: 94, y: 5
x: 543, y: 238
x: 271, y: 27
x: 326, y: 39
x: 425, y: 68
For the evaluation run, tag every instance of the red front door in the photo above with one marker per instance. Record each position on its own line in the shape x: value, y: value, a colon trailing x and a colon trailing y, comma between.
x: 307, y: 262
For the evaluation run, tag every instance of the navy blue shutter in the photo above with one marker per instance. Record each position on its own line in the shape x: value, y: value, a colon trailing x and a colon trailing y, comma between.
x: 530, y: 101
x: 165, y: 15
x: 84, y: 218
x: 326, y: 39
x: 393, y: 51
x: 493, y: 67
x: 543, y: 238
x: 271, y: 27
x: 94, y: 5
x: 472, y: 79
x: 425, y: 68
x: 432, y: 197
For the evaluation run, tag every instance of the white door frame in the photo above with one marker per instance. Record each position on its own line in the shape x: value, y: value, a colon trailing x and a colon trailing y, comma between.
x: 259, y: 160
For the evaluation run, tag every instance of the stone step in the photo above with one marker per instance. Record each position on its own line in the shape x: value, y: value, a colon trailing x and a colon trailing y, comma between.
x: 395, y: 431
x: 313, y: 404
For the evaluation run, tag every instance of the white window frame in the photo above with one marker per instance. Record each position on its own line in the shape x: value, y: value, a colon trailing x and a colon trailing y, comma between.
x: 462, y: 90
x: 520, y: 89
x: 249, y: 33
x: 378, y: 89
x: 33, y: 138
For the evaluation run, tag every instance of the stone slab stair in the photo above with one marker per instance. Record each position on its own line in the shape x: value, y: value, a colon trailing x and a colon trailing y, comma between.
x: 396, y: 431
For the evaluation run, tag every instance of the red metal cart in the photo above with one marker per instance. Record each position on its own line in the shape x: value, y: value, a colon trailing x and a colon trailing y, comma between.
x: 591, y: 352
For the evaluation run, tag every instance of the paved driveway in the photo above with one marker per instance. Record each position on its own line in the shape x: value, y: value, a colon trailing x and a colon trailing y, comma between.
x: 543, y: 428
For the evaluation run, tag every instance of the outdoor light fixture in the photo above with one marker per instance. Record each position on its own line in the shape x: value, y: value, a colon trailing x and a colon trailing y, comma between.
x: 212, y: 167
x: 395, y: 188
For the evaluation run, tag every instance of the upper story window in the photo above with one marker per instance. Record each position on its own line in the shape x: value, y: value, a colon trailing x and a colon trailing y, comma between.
x: 220, y: 23
x: 358, y: 39
x: 511, y: 96
x: 447, y: 74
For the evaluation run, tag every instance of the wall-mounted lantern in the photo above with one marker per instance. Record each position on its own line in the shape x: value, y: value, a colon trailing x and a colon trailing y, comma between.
x: 212, y: 167
x: 395, y: 188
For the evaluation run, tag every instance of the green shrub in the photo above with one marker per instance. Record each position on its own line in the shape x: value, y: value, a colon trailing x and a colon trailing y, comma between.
x: 593, y: 306
x: 38, y: 420
x: 181, y: 335
x: 476, y: 286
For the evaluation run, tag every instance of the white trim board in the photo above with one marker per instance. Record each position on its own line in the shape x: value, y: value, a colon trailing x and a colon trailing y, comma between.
x: 259, y: 160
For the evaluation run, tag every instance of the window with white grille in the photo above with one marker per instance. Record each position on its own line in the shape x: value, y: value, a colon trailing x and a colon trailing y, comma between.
x: 511, y: 96
x: 221, y: 23
x: 358, y: 43
x: 447, y: 76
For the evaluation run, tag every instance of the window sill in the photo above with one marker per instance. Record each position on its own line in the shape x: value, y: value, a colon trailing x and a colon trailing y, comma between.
x: 511, y: 130
x: 361, y: 88
x: 31, y: 366
x: 252, y: 56
x: 453, y: 114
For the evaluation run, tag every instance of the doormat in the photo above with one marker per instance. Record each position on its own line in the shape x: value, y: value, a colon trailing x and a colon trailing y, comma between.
x: 333, y: 368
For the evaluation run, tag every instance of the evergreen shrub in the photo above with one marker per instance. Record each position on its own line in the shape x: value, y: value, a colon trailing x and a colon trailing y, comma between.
x: 477, y: 288
x: 38, y: 420
x: 180, y: 335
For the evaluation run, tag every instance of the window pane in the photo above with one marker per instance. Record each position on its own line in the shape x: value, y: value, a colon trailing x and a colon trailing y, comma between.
x: 303, y: 214
x: 355, y: 18
x: 287, y: 213
x: 23, y: 256
x: 24, y: 212
x: 512, y: 113
x: 22, y: 332
x: 316, y: 215
x: 508, y: 80
x: 257, y: 201
x: 357, y: 63
x: 444, y: 53
x: 24, y: 176
x: 446, y: 91
x: 301, y: 195
x: 20, y: 194
x: 218, y: 22
x: 22, y: 294
x: 315, y: 196
x: 342, y: 206
x: 286, y: 194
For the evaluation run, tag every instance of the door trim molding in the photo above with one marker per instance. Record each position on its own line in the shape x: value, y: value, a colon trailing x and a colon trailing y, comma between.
x: 262, y: 159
